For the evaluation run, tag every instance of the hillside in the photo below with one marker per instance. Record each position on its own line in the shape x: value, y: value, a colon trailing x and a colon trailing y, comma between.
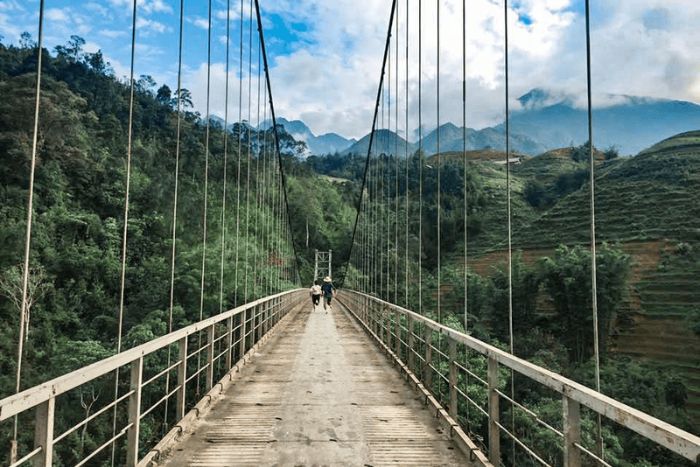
x: 650, y: 206
x: 653, y: 195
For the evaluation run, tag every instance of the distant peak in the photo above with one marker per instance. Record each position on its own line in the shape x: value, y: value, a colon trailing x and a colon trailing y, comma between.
x: 538, y: 98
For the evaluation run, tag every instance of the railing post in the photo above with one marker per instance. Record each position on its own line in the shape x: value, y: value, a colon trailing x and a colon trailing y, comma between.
x: 43, y: 433
x: 132, y: 444
x: 241, y: 342
x: 572, y: 432
x: 397, y: 331
x: 181, y: 378
x: 210, y: 356
x: 411, y: 344
x: 494, y: 417
x: 229, y: 343
x: 428, y: 371
x: 452, y: 352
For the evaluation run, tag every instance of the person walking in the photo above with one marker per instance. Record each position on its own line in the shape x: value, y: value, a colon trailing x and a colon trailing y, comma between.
x: 328, y: 290
x: 315, y: 293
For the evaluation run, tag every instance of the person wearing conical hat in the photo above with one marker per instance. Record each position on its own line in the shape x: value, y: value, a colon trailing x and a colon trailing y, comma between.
x: 328, y: 290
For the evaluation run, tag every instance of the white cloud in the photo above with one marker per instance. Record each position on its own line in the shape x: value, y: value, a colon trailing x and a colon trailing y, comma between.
x: 57, y: 14
x: 148, y: 26
x: 144, y: 6
x: 112, y: 34
x: 201, y: 23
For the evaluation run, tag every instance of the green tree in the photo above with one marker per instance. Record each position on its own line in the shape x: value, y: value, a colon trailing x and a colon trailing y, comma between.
x: 567, y: 280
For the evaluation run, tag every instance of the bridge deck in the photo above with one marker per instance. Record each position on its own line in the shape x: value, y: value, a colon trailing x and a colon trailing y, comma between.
x: 318, y: 393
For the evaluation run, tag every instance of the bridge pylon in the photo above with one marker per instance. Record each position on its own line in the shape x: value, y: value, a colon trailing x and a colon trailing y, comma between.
x: 322, y: 264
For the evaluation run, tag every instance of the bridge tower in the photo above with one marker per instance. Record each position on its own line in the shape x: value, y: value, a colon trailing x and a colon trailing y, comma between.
x: 322, y: 266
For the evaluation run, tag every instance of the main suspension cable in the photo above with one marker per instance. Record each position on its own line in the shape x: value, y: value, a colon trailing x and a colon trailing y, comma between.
x: 371, y: 135
x: 277, y: 141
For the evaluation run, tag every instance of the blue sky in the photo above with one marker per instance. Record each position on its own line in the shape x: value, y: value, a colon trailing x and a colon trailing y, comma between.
x: 325, y: 55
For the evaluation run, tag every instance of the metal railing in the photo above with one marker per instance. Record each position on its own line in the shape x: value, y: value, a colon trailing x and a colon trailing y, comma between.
x: 426, y: 350
x: 219, y: 341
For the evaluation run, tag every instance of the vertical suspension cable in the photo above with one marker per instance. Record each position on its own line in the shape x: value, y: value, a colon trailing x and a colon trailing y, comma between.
x: 420, y: 157
x: 205, y: 210
x: 591, y: 182
x: 509, y: 221
x: 264, y: 197
x: 396, y: 164
x: 465, y: 200
x: 240, y: 148
x: 407, y: 165
x: 380, y: 192
x: 248, y: 130
x: 30, y: 220
x: 439, y: 192
x: 225, y: 174
x: 126, y: 220
x: 386, y: 185
x: 258, y: 188
x: 173, y: 237
x: 438, y: 168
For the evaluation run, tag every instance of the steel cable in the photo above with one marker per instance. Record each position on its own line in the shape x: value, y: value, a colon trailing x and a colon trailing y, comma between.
x: 126, y: 219
x: 175, y: 201
x: 30, y: 219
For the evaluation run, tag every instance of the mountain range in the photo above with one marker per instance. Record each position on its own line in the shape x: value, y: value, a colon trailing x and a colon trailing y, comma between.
x: 327, y: 143
x: 545, y: 120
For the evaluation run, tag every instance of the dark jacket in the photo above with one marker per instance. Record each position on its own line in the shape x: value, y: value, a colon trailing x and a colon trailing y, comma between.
x: 327, y: 288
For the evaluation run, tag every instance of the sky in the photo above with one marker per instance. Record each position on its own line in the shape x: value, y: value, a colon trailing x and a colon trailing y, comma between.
x: 325, y: 55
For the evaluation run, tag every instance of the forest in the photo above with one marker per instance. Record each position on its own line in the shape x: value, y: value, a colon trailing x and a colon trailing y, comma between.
x: 250, y: 250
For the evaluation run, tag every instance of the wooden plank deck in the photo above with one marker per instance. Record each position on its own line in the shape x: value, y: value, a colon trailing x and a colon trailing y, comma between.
x: 318, y: 393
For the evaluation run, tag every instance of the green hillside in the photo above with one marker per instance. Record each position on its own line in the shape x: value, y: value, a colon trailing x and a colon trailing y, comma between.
x: 653, y: 195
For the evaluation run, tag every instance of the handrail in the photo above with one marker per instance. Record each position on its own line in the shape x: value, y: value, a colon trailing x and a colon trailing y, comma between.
x: 673, y: 438
x: 32, y: 397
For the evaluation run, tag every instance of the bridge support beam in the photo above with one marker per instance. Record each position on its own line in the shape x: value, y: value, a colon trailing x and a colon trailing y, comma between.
x: 494, y: 416
x: 43, y: 433
x: 181, y: 378
x: 210, y: 357
x: 132, y: 444
x: 428, y: 371
x: 452, y: 353
x: 397, y: 331
x: 241, y: 341
x: 411, y: 345
x: 229, y: 343
x: 572, y: 432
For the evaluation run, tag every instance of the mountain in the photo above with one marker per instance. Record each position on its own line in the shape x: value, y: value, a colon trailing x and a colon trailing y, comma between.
x: 450, y: 141
x: 630, y: 123
x: 489, y: 138
x: 327, y: 143
x: 385, y: 141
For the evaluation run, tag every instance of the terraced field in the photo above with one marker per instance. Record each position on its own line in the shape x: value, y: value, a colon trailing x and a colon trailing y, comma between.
x: 650, y: 206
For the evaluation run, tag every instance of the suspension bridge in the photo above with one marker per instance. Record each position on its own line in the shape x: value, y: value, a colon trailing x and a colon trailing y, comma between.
x: 266, y: 379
